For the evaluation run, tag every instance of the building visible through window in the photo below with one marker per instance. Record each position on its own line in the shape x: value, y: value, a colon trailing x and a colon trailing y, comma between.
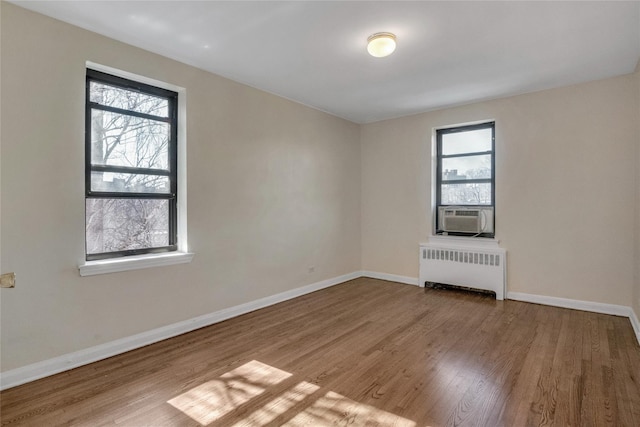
x: 130, y: 167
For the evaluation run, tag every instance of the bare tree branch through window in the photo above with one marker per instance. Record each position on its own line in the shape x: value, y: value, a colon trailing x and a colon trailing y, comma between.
x: 131, y: 169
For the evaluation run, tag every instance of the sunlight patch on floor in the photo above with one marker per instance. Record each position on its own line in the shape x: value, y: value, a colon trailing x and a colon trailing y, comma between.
x: 334, y: 409
x: 296, y: 406
x: 213, y: 399
x: 278, y: 406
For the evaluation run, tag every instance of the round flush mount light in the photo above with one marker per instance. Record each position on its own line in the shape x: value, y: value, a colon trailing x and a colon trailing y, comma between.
x: 381, y: 44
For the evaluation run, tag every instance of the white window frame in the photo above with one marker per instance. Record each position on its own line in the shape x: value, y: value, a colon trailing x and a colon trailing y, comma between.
x: 435, y: 182
x: 182, y: 255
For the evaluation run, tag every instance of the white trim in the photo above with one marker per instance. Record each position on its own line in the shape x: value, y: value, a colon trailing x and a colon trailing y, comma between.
x: 132, y: 76
x: 595, y: 307
x: 434, y: 168
x: 458, y: 125
x: 113, y: 265
x: 153, y: 260
x: 635, y: 323
x: 183, y: 244
x: 68, y: 361
x: 391, y: 277
x: 458, y: 241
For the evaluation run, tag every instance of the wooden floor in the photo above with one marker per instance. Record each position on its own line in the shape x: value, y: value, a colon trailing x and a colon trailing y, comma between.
x: 367, y: 352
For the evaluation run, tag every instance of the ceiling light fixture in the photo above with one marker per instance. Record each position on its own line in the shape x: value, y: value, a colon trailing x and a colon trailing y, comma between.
x: 381, y: 44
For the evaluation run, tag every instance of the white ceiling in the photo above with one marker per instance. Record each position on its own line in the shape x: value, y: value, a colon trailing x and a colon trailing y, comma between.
x: 313, y: 52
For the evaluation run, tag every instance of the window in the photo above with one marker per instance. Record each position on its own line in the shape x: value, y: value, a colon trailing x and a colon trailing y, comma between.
x: 465, y: 174
x: 130, y: 167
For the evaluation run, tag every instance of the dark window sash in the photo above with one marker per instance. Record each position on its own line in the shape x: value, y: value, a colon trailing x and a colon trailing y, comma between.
x: 172, y: 98
x: 466, y: 181
x: 125, y: 112
x: 131, y: 170
x: 133, y: 85
x: 467, y: 128
x: 466, y: 154
x: 131, y: 252
x: 440, y: 182
x: 125, y: 195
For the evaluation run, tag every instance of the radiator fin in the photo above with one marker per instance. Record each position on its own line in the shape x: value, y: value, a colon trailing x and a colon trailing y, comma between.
x: 460, y: 266
x: 466, y: 257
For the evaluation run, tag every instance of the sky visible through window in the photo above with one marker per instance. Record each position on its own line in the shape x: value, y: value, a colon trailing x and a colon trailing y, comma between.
x: 466, y: 166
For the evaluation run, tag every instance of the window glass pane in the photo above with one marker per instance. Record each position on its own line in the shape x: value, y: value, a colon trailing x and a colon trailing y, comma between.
x: 468, y: 167
x: 121, y: 140
x: 466, y: 194
x: 473, y: 141
x: 123, y: 224
x: 112, y: 96
x: 129, y: 183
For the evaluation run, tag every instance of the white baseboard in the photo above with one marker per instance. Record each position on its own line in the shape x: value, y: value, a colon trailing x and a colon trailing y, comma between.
x: 69, y: 361
x: 595, y: 307
x: 391, y: 277
x: 636, y: 324
x: 65, y: 362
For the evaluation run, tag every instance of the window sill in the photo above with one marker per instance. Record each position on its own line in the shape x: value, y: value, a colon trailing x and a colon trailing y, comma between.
x: 91, y: 268
x: 486, y: 242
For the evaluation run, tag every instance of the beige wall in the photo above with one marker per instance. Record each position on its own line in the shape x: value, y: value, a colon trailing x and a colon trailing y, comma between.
x: 636, y: 294
x: 274, y: 188
x: 565, y: 167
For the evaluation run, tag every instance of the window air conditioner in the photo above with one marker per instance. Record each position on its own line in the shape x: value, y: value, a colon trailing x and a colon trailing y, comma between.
x: 462, y: 220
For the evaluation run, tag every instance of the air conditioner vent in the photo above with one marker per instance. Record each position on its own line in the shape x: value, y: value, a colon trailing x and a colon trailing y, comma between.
x: 467, y: 212
x: 462, y: 220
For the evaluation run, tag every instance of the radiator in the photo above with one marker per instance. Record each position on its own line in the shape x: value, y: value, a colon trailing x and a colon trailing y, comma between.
x: 471, y: 267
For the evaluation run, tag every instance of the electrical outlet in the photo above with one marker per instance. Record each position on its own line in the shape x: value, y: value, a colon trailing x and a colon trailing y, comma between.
x: 8, y: 280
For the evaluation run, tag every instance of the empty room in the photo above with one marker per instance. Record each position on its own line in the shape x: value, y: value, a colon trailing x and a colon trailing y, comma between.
x: 318, y: 213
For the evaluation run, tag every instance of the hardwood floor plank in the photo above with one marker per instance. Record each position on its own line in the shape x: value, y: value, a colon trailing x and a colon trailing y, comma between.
x: 366, y: 352
x: 626, y: 373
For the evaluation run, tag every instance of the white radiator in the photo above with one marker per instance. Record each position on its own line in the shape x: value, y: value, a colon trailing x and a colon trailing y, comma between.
x: 468, y: 266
